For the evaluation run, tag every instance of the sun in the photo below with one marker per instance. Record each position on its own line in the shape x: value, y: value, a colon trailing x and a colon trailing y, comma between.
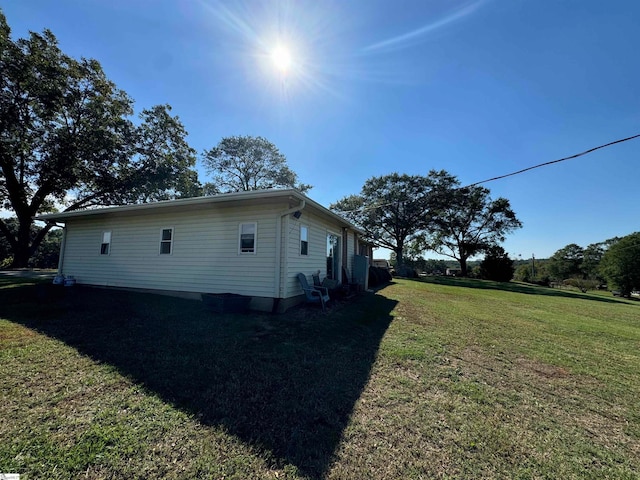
x: 281, y: 57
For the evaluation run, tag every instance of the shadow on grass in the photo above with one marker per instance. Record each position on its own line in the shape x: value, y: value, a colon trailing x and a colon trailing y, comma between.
x: 286, y: 384
x: 515, y: 287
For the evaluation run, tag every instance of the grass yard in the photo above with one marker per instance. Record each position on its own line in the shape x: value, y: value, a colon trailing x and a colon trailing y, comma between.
x: 438, y: 378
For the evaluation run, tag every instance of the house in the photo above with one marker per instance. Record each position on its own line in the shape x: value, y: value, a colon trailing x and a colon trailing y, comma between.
x: 249, y: 243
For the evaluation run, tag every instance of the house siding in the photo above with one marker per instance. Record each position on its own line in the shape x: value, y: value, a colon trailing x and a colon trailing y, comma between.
x: 317, y: 257
x: 351, y: 251
x: 204, y: 255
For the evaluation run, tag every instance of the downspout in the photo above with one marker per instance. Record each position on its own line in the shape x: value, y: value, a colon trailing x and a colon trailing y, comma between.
x: 62, y: 246
x: 278, y: 290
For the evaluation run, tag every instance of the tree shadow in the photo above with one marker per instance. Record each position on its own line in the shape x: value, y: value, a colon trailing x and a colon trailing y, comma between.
x: 286, y: 384
x: 515, y: 288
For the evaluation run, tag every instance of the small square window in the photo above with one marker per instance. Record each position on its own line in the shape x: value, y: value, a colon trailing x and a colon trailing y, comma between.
x: 166, y: 241
x: 105, y: 247
x: 304, y: 240
x: 248, y: 237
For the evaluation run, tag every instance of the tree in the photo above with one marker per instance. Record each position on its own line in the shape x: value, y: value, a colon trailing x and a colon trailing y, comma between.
x: 497, y: 265
x: 620, y: 264
x: 591, y: 257
x: 393, y: 209
x: 244, y: 163
x: 522, y: 273
x: 434, y: 267
x: 414, y: 259
x: 66, y: 140
x: 566, y: 262
x: 45, y: 256
x: 468, y: 223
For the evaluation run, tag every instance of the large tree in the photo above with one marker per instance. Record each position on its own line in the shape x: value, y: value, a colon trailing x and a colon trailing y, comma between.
x: 45, y: 256
x: 67, y: 140
x: 567, y: 262
x: 393, y: 209
x: 469, y: 223
x: 620, y: 264
x: 242, y: 163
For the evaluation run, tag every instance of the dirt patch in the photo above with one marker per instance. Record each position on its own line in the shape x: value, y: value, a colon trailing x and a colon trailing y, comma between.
x: 542, y: 369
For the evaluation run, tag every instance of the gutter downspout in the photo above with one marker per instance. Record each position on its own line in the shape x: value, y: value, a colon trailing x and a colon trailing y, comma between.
x: 278, y: 293
x: 63, y: 243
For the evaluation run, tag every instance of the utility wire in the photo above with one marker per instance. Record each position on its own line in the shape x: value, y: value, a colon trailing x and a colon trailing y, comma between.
x: 373, y: 207
x: 555, y: 161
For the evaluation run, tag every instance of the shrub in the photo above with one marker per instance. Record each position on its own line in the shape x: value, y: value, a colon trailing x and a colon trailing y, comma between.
x: 497, y: 266
x: 583, y: 284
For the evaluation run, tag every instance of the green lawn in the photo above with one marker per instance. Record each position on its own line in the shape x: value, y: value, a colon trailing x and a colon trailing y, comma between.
x: 441, y: 378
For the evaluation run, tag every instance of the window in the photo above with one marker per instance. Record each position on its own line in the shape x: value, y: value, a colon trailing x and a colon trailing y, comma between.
x: 304, y: 240
x: 105, y: 247
x: 248, y: 237
x: 166, y: 241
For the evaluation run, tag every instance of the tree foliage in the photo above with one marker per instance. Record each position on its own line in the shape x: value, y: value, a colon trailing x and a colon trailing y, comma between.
x: 242, y: 163
x: 566, y: 262
x: 468, y: 223
x: 66, y: 139
x: 393, y: 209
x: 620, y: 264
x: 497, y: 265
x: 591, y: 257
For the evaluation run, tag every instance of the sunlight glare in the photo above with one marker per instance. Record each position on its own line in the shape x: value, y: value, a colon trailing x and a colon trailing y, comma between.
x: 281, y: 58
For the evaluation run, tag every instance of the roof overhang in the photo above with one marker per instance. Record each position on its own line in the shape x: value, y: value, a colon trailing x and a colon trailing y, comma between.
x: 223, y: 199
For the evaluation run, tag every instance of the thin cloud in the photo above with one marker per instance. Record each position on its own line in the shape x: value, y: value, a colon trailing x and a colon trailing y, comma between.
x: 411, y: 38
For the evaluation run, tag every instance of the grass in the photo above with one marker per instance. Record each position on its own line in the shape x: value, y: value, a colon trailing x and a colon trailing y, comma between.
x: 440, y: 378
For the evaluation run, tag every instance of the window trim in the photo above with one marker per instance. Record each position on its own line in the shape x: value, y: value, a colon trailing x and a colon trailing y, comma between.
x: 301, y: 252
x: 108, y: 244
x: 255, y: 238
x: 170, y: 241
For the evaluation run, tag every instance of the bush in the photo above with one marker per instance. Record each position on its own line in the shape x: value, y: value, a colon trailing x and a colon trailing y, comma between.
x: 583, y: 284
x: 497, y: 266
x: 406, y: 272
x: 378, y: 276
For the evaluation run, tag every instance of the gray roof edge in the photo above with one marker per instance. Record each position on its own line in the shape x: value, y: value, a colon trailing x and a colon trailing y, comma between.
x: 186, y: 202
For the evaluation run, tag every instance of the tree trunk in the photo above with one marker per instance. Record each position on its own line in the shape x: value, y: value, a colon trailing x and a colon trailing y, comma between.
x: 464, y: 272
x: 21, y: 251
x: 399, y: 258
x: 20, y: 258
x: 26, y: 246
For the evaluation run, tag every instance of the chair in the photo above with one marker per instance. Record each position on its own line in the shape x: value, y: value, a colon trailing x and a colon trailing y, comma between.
x: 348, y: 288
x: 314, y: 294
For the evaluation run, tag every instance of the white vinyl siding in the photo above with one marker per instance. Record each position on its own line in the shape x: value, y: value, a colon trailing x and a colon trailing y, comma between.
x: 203, y: 259
x: 204, y: 249
x: 351, y: 249
x: 317, y: 257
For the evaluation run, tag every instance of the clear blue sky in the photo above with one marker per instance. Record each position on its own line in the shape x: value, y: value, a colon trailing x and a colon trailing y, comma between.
x: 479, y: 88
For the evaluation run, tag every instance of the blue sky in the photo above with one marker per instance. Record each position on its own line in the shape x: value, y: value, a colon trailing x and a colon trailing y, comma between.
x: 478, y: 88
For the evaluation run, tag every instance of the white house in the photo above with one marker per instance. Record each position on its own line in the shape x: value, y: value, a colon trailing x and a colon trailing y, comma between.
x: 249, y: 243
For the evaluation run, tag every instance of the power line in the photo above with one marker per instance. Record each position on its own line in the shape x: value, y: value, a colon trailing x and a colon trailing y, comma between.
x: 373, y: 207
x: 555, y: 161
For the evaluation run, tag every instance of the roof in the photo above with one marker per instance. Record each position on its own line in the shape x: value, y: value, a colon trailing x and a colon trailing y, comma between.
x: 252, y: 196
